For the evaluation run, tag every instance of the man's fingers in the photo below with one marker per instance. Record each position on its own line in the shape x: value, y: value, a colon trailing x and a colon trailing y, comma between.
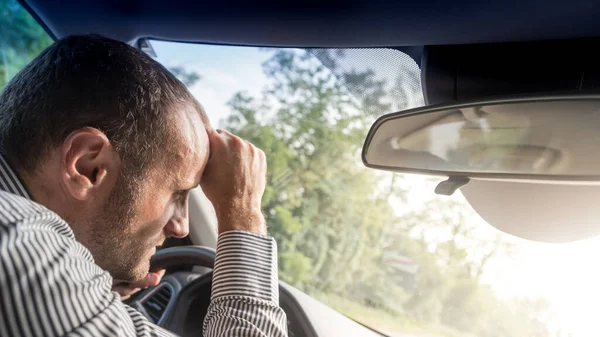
x: 128, y: 289
x: 234, y: 181
x: 125, y: 291
x: 143, y: 283
x: 151, y: 280
x: 158, y: 275
x: 219, y: 141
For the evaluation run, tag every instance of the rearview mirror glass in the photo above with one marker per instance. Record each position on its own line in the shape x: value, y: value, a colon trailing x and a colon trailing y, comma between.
x: 552, y: 138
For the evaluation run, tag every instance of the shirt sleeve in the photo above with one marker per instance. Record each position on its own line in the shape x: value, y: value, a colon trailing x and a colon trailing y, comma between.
x: 245, y: 288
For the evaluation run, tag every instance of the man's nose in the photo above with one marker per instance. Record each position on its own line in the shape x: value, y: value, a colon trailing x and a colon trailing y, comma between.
x: 178, y: 227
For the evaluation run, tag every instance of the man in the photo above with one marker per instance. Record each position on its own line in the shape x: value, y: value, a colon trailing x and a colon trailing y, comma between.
x: 100, y: 146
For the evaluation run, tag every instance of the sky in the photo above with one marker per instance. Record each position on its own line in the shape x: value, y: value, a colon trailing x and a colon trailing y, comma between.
x: 566, y: 274
x: 224, y: 71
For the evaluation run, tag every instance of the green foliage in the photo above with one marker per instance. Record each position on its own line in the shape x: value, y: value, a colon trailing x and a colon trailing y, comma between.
x: 308, y: 125
x: 21, y: 39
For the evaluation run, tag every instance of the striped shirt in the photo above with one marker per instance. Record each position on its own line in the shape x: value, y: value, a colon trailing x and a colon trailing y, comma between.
x: 50, y: 285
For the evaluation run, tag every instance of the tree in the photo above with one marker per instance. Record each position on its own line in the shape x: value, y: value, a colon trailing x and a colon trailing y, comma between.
x: 189, y: 78
x: 21, y: 39
x: 319, y: 200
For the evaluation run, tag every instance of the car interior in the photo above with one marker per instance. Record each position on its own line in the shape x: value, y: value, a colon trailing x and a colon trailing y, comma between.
x: 509, y: 90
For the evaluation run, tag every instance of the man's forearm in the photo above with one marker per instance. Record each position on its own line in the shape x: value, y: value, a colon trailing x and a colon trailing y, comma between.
x: 245, y: 290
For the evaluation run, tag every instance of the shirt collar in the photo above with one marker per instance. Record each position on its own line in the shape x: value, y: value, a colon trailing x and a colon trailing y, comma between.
x: 9, y: 181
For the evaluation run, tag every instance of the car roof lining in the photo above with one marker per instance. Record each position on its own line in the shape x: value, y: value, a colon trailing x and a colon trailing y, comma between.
x: 313, y: 23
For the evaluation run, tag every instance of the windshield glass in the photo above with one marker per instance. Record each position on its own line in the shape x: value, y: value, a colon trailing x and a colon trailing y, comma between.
x: 379, y: 247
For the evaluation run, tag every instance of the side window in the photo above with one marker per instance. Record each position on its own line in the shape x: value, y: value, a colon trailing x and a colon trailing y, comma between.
x: 21, y: 39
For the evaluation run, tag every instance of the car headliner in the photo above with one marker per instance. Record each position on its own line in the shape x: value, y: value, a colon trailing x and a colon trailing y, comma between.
x: 314, y: 23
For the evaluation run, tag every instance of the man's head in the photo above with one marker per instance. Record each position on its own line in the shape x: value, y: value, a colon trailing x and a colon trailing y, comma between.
x: 110, y: 140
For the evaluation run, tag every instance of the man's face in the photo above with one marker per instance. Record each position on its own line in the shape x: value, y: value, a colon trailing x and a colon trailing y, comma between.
x: 139, y: 214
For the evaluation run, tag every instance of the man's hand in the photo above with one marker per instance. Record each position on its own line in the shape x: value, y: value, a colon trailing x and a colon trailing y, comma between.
x: 126, y: 289
x: 234, y: 182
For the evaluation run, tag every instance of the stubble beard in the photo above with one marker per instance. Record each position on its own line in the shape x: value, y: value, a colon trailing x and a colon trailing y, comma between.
x: 114, y: 248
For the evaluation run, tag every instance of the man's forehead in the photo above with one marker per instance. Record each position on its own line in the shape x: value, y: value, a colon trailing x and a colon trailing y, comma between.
x: 191, y: 132
x: 189, y: 147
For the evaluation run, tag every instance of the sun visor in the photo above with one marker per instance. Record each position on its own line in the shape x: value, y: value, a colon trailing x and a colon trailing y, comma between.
x: 537, y: 211
x: 470, y: 72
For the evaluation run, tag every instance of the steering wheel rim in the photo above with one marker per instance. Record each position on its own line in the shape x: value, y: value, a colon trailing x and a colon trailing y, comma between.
x: 180, y: 256
x: 183, y: 256
x: 188, y: 297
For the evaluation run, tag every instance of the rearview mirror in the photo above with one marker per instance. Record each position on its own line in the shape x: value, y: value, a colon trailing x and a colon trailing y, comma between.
x: 548, y: 138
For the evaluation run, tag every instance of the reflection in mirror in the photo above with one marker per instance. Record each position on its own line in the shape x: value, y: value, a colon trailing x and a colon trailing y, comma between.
x: 523, y: 138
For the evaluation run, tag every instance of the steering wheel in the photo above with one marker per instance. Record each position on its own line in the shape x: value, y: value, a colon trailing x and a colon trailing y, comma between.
x: 195, y: 295
x: 185, y: 312
x: 183, y: 255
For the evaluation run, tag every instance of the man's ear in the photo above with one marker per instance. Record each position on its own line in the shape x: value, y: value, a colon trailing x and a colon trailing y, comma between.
x: 87, y: 159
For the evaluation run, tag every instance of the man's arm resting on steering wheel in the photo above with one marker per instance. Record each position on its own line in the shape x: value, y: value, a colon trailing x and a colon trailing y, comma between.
x: 245, y: 289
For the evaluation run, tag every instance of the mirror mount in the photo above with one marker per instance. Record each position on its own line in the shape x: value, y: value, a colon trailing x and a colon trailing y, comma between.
x: 448, y: 187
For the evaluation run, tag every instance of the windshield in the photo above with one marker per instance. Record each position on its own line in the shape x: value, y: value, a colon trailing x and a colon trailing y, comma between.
x: 379, y: 247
